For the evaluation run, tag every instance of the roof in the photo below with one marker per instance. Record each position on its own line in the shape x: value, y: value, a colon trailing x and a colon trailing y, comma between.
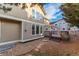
x: 56, y: 21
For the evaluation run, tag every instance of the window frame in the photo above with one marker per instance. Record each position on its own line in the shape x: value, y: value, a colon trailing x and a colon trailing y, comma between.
x: 41, y: 31
x: 37, y: 29
x: 33, y: 29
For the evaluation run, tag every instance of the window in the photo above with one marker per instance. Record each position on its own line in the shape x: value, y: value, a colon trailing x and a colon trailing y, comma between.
x: 33, y: 13
x: 37, y: 29
x: 36, y: 15
x: 46, y: 28
x: 33, y: 29
x: 41, y: 29
x: 55, y: 24
x: 39, y: 16
x: 11, y: 3
x: 63, y: 28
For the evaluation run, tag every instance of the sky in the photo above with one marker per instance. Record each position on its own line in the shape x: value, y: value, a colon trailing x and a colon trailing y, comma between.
x: 54, y: 13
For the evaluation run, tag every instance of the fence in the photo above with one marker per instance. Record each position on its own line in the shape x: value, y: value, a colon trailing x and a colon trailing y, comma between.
x: 74, y: 35
x: 64, y: 35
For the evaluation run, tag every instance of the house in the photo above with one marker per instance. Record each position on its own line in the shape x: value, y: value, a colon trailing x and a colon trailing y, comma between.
x: 19, y: 24
x: 61, y: 25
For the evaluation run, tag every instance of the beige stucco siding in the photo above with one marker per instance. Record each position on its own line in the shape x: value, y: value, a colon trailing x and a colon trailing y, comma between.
x: 0, y: 29
x: 10, y: 30
x: 16, y: 12
x: 27, y: 31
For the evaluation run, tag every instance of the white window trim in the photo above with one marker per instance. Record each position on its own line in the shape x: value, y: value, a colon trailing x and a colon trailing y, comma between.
x: 34, y: 30
x: 41, y: 29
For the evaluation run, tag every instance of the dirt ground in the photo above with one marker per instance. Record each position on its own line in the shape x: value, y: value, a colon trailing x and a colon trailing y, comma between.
x: 54, y: 48
x: 44, y: 47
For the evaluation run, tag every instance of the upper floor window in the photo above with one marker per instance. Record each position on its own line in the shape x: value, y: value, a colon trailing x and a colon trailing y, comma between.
x: 33, y: 13
x: 39, y: 16
x: 36, y: 15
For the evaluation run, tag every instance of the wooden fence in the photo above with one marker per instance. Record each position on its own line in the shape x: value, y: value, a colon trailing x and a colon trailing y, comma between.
x: 63, y: 35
